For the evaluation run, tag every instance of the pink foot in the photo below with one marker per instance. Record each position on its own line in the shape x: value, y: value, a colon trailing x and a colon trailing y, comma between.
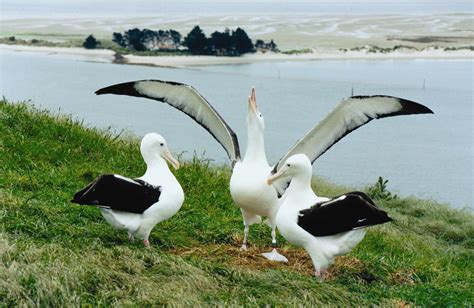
x: 146, y: 243
x: 321, y: 274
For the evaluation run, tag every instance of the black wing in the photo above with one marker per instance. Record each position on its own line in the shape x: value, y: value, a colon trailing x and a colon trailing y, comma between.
x: 344, y: 213
x: 118, y: 193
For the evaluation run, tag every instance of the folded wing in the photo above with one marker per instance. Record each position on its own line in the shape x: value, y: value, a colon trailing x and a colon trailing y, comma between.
x: 350, y: 211
x: 118, y: 193
x: 186, y: 99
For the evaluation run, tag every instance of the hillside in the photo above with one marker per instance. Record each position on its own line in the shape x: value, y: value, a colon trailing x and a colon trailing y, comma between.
x: 53, y: 252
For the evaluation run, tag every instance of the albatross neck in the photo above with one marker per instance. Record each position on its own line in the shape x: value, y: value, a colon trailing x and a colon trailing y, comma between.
x: 301, y: 182
x: 255, y: 144
x: 154, y: 164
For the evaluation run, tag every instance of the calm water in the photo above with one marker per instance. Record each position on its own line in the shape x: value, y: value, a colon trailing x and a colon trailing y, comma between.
x: 429, y: 156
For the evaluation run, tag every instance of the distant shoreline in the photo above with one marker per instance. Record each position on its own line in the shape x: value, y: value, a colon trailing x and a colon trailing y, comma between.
x: 181, y: 61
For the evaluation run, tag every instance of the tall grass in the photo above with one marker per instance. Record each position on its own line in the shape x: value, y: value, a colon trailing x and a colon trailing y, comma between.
x: 53, y: 252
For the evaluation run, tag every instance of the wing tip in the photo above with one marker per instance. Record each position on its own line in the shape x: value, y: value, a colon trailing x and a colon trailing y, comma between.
x: 411, y: 107
x: 408, y: 106
x: 126, y: 88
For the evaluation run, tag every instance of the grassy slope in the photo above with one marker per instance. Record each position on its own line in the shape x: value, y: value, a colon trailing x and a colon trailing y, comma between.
x: 54, y: 252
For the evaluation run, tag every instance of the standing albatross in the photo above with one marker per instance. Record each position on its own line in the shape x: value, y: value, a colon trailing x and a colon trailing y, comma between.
x: 248, y: 182
x: 137, y: 205
x: 324, y: 227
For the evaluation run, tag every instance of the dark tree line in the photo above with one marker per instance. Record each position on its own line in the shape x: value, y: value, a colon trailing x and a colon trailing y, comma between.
x: 228, y: 43
x: 147, y: 39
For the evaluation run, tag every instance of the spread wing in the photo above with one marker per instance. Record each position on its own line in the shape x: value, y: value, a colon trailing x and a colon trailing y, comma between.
x: 118, y: 193
x: 349, y: 114
x: 186, y: 99
x: 344, y: 213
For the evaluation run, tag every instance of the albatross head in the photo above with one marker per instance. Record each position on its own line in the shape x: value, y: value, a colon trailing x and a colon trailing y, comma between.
x: 254, y: 116
x: 297, y: 165
x: 153, y: 146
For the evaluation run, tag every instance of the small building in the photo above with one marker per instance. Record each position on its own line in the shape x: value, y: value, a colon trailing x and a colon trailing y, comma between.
x: 262, y: 46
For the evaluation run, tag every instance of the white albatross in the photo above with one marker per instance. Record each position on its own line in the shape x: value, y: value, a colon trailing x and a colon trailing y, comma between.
x: 137, y: 205
x: 248, y: 182
x: 324, y: 227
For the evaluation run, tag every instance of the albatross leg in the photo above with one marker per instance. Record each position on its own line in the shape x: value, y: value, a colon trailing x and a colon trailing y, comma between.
x: 246, y: 233
x: 131, y: 238
x: 320, y: 273
x: 249, y: 219
x: 146, y: 242
x: 274, y: 255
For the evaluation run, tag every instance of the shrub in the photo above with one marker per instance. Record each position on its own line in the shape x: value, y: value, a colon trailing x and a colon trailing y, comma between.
x: 90, y: 42
x: 379, y: 191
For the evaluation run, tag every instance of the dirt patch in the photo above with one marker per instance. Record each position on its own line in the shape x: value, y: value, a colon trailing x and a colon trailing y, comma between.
x: 298, y: 260
x: 406, y: 276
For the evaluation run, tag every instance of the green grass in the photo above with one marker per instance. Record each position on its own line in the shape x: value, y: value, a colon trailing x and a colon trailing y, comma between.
x: 41, y: 42
x: 53, y: 252
x: 103, y: 44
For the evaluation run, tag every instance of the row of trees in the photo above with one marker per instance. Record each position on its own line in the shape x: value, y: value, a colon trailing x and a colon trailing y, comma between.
x: 147, y: 39
x: 228, y: 43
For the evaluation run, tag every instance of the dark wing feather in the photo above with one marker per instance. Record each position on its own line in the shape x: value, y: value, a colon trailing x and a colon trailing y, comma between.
x: 344, y: 213
x: 118, y: 193
x: 350, y: 114
x: 186, y: 99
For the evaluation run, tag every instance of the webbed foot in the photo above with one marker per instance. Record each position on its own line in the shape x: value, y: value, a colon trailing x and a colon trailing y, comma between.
x: 275, y: 256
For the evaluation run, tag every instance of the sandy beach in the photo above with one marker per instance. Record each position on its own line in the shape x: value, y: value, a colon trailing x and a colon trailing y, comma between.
x: 107, y: 56
x: 185, y: 61
x: 94, y: 55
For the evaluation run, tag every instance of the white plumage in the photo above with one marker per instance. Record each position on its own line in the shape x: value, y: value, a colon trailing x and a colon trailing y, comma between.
x: 248, y: 182
x: 137, y: 205
x: 301, y: 202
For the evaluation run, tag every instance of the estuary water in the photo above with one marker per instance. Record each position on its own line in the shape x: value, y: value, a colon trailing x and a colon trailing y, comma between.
x: 428, y: 156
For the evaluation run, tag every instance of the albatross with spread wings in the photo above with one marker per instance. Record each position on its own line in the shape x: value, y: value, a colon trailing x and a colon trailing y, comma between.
x: 248, y: 185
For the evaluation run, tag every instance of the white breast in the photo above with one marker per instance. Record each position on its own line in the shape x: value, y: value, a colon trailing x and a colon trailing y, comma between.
x: 287, y: 217
x: 249, y: 188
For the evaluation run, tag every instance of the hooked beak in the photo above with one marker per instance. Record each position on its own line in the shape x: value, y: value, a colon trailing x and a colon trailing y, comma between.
x: 169, y: 158
x: 276, y: 176
x: 253, y: 101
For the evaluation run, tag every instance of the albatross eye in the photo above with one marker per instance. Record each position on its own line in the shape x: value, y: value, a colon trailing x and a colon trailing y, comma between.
x: 162, y: 144
x: 288, y: 165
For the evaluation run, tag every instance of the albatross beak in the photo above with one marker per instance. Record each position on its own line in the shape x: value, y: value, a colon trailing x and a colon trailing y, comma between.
x: 253, y: 101
x: 276, y: 176
x: 173, y: 161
